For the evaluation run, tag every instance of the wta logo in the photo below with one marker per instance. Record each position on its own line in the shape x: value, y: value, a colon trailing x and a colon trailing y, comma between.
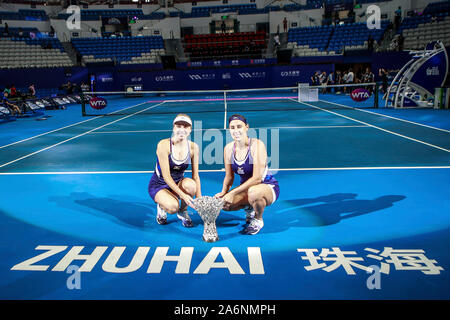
x: 98, y: 103
x: 360, y: 95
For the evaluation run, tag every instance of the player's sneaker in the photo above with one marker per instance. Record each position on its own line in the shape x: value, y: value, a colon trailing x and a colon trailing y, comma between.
x: 185, y: 219
x: 161, y: 215
x: 254, y: 227
x: 249, y: 214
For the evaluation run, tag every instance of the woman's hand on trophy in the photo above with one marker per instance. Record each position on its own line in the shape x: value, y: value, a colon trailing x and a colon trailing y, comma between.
x: 220, y: 194
x: 228, y: 198
x: 188, y: 199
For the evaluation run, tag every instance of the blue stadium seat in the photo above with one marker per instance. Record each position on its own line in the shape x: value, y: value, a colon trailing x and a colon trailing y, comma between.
x: 122, y: 48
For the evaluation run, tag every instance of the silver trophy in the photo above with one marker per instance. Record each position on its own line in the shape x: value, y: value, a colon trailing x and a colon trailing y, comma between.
x: 208, y: 209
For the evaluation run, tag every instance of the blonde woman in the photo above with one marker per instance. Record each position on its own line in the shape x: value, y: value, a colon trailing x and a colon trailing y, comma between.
x: 168, y: 185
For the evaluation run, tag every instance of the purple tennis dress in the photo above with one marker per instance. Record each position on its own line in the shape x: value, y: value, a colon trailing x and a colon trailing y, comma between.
x: 245, y: 171
x: 177, y: 169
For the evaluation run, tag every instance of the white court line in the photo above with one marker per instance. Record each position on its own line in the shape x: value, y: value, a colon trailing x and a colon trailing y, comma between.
x: 74, y: 124
x: 77, y: 136
x: 223, y: 170
x: 300, y: 127
x: 383, y: 115
x: 373, y: 126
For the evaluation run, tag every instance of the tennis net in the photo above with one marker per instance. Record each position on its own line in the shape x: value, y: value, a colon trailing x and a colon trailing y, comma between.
x: 301, y: 97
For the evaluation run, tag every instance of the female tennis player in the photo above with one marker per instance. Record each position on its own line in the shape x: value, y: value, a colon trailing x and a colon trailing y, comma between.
x: 258, y: 188
x: 168, y: 183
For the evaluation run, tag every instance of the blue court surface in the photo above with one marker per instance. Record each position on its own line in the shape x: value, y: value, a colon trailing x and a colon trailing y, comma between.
x: 363, y: 211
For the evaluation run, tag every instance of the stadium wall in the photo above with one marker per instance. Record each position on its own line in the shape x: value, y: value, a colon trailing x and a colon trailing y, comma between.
x: 300, y: 17
x: 213, y: 79
x: 154, y: 77
x: 64, y: 34
x: 43, y: 26
x: 115, y: 79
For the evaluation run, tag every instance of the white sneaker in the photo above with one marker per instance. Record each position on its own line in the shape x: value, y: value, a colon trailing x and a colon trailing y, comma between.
x: 249, y: 214
x: 185, y: 219
x: 161, y: 215
x: 254, y: 227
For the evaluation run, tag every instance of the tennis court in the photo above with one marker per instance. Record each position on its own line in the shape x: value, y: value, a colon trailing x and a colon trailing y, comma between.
x: 360, y: 187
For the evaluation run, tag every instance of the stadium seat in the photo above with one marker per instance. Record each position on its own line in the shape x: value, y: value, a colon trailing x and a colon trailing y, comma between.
x: 124, y: 49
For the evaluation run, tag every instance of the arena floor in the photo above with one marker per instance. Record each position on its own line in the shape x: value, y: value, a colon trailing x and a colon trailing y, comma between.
x: 359, y: 188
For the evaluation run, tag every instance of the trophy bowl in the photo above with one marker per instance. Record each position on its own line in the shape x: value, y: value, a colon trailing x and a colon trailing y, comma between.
x: 208, y: 209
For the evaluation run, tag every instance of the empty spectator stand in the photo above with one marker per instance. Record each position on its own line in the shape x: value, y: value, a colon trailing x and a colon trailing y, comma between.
x: 24, y: 14
x: 354, y: 36
x: 323, y: 40
x: 309, y: 40
x: 94, y: 15
x: 414, y: 22
x: 437, y: 7
x: 224, y: 9
x: 433, y: 24
x: 310, y: 4
x: 419, y: 36
x: 125, y: 50
x: 234, y: 44
x: 15, y: 32
x: 435, y: 10
x: 242, y: 9
x: 32, y: 53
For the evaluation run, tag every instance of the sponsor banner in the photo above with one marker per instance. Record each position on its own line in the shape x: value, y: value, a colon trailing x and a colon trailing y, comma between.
x: 291, y: 73
x: 288, y: 76
x: 218, y: 79
x: 409, y: 103
x: 226, y: 63
x: 194, y: 64
x: 252, y: 74
x: 164, y: 78
x: 432, y: 73
x: 360, y: 95
x: 201, y: 76
x: 333, y: 7
x: 136, y: 79
x: 105, y: 77
x: 98, y: 103
x: 215, y: 78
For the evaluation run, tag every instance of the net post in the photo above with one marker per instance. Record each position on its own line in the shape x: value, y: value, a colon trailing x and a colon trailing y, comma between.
x: 375, y: 102
x: 83, y: 105
x: 225, y: 106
